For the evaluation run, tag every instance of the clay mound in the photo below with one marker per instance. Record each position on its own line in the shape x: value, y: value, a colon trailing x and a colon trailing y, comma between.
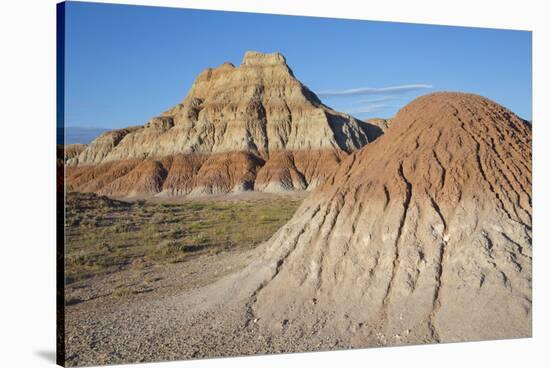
x: 280, y: 174
x: 95, y: 178
x: 181, y: 175
x: 297, y: 170
x: 146, y: 178
x: 258, y: 107
x: 422, y: 236
x: 223, y: 173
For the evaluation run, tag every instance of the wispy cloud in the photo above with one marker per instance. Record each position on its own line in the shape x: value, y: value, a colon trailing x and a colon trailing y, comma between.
x: 393, y: 90
x: 368, y: 109
x: 379, y: 99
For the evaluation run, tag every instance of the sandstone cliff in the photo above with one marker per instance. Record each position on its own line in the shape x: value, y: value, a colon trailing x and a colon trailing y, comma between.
x: 255, y: 121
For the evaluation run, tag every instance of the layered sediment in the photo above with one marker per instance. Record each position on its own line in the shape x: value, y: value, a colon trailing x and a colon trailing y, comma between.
x: 255, y: 119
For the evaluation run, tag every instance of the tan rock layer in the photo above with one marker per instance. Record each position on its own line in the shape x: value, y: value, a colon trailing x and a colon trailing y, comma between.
x: 375, y: 127
x: 73, y: 150
x: 257, y: 107
x: 100, y: 147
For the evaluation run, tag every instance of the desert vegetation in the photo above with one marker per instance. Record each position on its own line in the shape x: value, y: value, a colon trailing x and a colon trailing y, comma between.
x: 104, y: 235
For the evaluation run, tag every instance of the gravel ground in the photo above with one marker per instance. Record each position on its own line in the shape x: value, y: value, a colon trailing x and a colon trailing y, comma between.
x: 173, y: 315
x: 111, y: 326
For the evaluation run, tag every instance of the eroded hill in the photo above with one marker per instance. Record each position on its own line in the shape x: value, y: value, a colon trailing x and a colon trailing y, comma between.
x: 251, y: 127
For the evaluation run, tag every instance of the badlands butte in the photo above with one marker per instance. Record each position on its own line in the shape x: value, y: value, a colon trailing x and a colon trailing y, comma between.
x: 252, y: 127
x: 421, y: 234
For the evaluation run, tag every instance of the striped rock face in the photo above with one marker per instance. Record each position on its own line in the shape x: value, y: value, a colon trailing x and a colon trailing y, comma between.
x: 422, y: 236
x: 240, y: 128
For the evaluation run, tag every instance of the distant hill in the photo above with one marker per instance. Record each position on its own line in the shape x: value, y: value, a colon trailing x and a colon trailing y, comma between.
x: 79, y: 135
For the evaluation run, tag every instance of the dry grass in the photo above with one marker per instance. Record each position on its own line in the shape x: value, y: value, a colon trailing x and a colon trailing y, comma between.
x: 104, y: 235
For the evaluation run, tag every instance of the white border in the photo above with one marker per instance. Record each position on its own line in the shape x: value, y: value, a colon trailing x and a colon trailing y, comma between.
x: 27, y: 179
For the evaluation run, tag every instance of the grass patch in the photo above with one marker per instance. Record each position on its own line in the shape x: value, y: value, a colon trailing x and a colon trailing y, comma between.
x: 123, y: 291
x: 104, y: 235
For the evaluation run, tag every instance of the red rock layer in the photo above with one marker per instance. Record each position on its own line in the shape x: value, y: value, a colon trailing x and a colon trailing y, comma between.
x: 181, y: 175
x: 145, y: 178
x: 280, y: 174
x: 224, y: 173
x: 94, y: 178
x: 198, y: 174
x: 297, y: 170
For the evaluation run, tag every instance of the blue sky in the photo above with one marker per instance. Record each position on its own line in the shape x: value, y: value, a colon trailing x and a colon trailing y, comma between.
x: 126, y: 64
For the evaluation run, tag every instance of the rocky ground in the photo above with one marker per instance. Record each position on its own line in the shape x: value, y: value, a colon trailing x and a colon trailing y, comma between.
x: 134, y: 315
x: 129, y: 262
x: 162, y: 317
